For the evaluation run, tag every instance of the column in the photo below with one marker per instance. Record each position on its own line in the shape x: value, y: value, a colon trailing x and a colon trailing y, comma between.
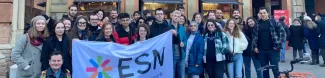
x: 247, y: 8
x: 193, y: 6
x: 130, y: 6
x: 268, y: 5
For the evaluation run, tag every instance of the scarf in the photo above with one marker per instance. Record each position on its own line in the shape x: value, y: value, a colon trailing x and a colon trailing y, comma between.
x: 82, y: 34
x: 37, y: 41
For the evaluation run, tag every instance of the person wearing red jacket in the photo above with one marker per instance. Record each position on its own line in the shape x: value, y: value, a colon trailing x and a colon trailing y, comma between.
x: 125, y: 33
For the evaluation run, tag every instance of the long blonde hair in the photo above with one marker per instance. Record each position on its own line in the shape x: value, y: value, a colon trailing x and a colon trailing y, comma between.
x: 33, y: 33
x: 236, y: 30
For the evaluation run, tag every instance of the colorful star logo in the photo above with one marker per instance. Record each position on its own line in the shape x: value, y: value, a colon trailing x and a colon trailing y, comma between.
x: 99, y: 71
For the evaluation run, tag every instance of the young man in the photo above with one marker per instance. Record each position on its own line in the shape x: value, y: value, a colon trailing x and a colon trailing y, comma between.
x: 94, y: 27
x: 124, y: 33
x: 55, y: 70
x: 72, y: 13
x: 219, y: 17
x: 268, y: 37
x: 159, y: 25
x: 113, y: 18
x: 236, y: 15
x: 178, y: 44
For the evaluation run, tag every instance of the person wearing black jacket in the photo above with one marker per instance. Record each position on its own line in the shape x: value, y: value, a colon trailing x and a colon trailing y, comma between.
x: 159, y: 25
x: 106, y: 33
x: 248, y: 54
x: 284, y: 45
x: 72, y: 13
x: 94, y: 28
x: 297, y: 38
x: 56, y: 42
x: 321, y: 29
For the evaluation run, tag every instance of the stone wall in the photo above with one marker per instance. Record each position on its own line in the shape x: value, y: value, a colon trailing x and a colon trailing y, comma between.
x: 5, y: 64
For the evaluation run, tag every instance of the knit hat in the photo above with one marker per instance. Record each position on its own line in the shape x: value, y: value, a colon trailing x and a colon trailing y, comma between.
x: 36, y: 19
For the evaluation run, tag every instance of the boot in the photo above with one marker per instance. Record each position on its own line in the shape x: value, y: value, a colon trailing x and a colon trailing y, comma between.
x: 313, y: 60
x: 322, y: 65
x: 317, y: 60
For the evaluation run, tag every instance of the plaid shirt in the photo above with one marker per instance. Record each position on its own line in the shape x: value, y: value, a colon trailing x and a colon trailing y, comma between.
x: 277, y: 32
x: 221, y: 44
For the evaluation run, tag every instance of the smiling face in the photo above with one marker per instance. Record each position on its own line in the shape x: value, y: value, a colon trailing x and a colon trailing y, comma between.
x: 181, y: 20
x: 94, y: 20
x: 67, y: 24
x: 142, y: 32
x: 231, y: 25
x: 176, y: 17
x: 236, y: 14
x: 59, y: 29
x: 211, y: 27
x: 219, y: 14
x: 82, y: 24
x: 108, y: 30
x: 40, y: 25
x: 56, y: 62
x: 100, y: 14
x: 251, y: 23
x: 125, y: 22
x: 136, y: 16
x: 113, y: 14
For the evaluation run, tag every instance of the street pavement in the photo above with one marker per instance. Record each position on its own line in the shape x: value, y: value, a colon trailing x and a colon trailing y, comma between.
x: 316, y: 70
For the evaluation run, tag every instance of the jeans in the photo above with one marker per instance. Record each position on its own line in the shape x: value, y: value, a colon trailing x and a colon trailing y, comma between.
x: 322, y: 52
x: 235, y: 68
x: 270, y: 57
x: 295, y: 50
x: 216, y: 69
x: 257, y: 65
x: 179, y: 69
x: 283, y: 52
x: 304, y: 49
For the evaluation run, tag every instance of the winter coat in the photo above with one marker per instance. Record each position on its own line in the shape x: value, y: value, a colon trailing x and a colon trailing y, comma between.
x: 221, y: 44
x: 321, y: 29
x: 237, y: 45
x: 248, y: 33
x: 312, y: 36
x: 286, y: 28
x: 24, y: 54
x: 102, y: 39
x: 297, y: 37
x: 195, y: 55
x: 49, y: 73
x: 123, y: 37
x: 52, y: 44
x: 157, y: 29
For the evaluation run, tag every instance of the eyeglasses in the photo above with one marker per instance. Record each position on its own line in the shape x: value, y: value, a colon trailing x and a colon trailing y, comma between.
x: 82, y: 23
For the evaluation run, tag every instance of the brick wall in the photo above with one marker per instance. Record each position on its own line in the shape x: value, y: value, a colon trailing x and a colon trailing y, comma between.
x: 319, y: 4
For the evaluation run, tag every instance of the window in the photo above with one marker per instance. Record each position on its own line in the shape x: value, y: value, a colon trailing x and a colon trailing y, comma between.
x: 58, y: 2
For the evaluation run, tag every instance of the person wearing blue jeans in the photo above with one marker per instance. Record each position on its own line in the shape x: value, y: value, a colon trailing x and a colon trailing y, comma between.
x: 257, y: 65
x: 283, y: 52
x: 238, y: 43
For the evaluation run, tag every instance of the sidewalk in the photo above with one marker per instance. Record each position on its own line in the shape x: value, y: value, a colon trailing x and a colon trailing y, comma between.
x: 316, y: 70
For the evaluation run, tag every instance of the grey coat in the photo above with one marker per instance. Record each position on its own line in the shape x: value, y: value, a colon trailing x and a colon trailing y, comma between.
x: 28, y: 56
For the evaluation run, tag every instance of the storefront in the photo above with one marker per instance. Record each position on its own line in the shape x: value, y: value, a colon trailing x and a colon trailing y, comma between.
x: 86, y: 7
x: 168, y: 5
x: 212, y: 5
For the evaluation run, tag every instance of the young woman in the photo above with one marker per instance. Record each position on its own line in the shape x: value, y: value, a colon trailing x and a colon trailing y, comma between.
x: 197, y: 17
x: 183, y: 21
x: 311, y: 34
x: 216, y: 45
x: 101, y: 15
x: 106, y: 33
x: 143, y: 32
x: 79, y: 30
x: 238, y: 43
x: 194, y: 51
x: 57, y: 41
x: 27, y: 52
x: 248, y: 54
x: 67, y: 24
x: 297, y: 38
x: 140, y: 21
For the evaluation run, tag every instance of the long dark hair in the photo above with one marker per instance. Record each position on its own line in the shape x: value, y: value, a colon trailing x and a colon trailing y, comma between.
x: 215, y: 24
x: 74, y: 31
x: 246, y: 26
x: 185, y: 21
x: 194, y: 15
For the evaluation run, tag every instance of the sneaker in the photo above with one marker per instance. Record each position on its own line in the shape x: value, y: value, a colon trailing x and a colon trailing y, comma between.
x: 282, y: 61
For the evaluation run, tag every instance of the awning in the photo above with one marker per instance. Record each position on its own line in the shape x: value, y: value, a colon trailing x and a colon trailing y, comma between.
x: 222, y: 1
x: 96, y: 0
x: 164, y: 1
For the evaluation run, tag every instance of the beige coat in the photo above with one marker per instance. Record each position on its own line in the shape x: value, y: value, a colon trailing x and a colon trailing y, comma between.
x: 28, y: 56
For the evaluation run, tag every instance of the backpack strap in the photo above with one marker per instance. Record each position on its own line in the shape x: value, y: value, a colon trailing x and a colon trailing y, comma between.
x: 68, y: 74
x: 43, y: 75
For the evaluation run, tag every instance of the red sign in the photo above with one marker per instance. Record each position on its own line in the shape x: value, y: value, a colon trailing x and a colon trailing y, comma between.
x: 280, y: 13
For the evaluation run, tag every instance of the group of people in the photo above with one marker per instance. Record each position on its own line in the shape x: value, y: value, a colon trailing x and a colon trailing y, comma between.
x: 206, y: 46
